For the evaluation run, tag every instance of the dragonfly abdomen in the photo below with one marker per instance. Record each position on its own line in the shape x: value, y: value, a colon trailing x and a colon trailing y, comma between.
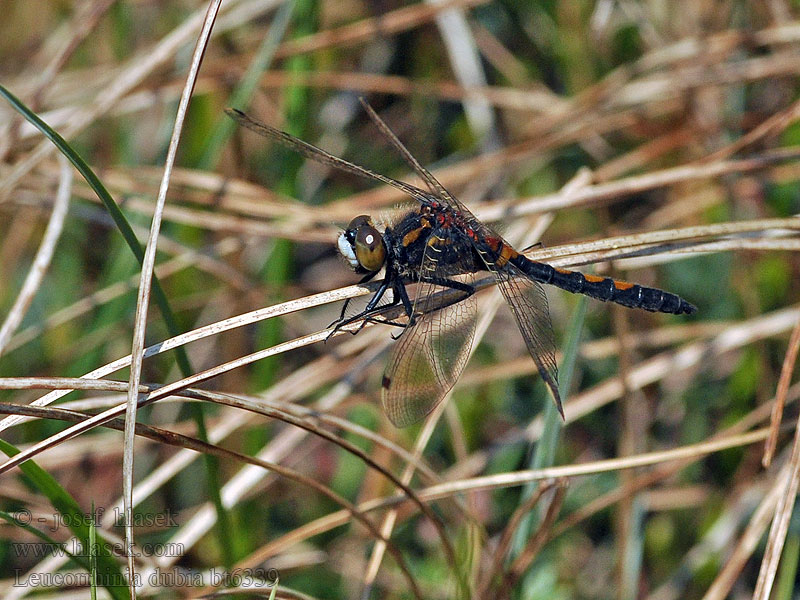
x: 606, y: 289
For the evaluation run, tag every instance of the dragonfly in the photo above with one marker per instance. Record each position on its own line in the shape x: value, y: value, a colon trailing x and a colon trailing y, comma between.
x: 439, y: 245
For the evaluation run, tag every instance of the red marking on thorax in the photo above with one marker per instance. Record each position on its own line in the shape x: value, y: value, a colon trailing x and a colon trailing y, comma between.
x: 493, y: 242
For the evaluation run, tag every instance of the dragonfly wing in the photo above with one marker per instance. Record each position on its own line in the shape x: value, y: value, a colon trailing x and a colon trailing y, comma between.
x: 430, y: 355
x: 433, y: 184
x: 528, y: 303
x: 319, y: 155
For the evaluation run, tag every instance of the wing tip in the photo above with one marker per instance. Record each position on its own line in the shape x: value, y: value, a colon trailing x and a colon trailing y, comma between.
x: 556, y: 398
x: 560, y: 408
x: 234, y: 112
x: 559, y: 405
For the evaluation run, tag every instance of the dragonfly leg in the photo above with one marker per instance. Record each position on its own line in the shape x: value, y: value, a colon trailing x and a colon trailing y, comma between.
x: 400, y: 297
x: 391, y: 279
x: 341, y: 318
x: 381, y: 321
x: 531, y: 247
x: 401, y: 294
x: 342, y: 321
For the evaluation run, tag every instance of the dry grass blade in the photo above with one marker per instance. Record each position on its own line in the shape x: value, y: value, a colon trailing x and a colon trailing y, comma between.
x: 501, y: 551
x: 128, y: 79
x: 390, y: 519
x: 786, y: 486
x: 668, y: 464
x: 162, y: 392
x: 517, y: 478
x: 182, y: 441
x: 760, y: 226
x: 148, y: 265
x: 217, y: 328
x: 600, y: 466
x: 308, y: 423
x: 500, y: 97
x: 536, y: 541
x: 775, y: 125
x: 660, y: 473
x: 43, y: 257
x: 689, y: 356
x: 298, y: 412
x: 466, y: 63
x: 299, y: 383
x: 599, y: 193
x: 85, y: 305
x: 789, y: 362
x: 722, y: 585
x: 353, y: 449
x: 392, y: 22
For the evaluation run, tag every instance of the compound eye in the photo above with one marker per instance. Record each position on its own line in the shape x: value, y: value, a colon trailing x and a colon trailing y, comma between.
x: 358, y: 222
x: 369, y: 247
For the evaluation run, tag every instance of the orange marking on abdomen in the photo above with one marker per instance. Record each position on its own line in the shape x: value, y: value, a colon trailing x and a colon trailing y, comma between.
x: 506, y: 254
x: 623, y: 285
x: 564, y: 271
x: 593, y: 278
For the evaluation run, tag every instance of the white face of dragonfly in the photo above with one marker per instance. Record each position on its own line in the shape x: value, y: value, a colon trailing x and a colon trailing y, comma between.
x: 346, y: 249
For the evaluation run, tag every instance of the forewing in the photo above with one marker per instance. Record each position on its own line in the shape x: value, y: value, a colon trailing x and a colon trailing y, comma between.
x: 436, y: 188
x: 319, y: 155
x: 429, y: 356
x: 528, y: 303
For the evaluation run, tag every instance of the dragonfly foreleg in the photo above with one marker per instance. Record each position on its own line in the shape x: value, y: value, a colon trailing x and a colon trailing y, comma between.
x: 341, y: 318
x: 373, y: 302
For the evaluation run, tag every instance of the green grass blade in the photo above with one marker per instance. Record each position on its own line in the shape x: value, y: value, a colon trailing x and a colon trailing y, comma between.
x: 211, y: 464
x: 544, y: 454
x: 785, y: 586
x: 93, y: 556
x: 12, y: 520
x: 216, y: 141
x: 116, y: 214
x: 243, y: 92
x: 108, y: 570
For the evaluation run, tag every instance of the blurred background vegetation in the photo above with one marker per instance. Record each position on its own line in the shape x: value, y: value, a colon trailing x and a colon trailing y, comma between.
x: 578, y: 120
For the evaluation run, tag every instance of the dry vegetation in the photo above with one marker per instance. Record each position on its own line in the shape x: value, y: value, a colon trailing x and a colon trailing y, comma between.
x: 653, y: 140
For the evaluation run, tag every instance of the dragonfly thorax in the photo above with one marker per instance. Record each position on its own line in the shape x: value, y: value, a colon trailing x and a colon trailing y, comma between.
x: 361, y: 244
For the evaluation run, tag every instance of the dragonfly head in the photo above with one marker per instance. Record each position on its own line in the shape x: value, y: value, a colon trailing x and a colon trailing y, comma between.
x: 361, y: 244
